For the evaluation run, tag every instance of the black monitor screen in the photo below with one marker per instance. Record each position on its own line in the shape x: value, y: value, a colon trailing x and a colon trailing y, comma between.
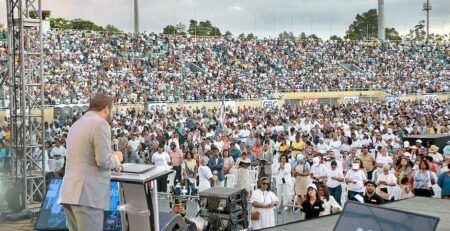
x: 51, y: 216
x: 363, y: 217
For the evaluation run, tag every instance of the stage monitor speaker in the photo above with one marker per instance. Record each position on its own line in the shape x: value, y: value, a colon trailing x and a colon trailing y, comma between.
x: 363, y: 217
x: 170, y: 222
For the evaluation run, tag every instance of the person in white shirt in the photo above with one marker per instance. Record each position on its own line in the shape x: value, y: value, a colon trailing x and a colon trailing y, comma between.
x: 335, y: 177
x: 383, y: 159
x: 205, y: 176
x: 438, y: 159
x: 387, y: 184
x: 161, y: 158
x: 322, y: 147
x: 355, y: 179
x: 389, y: 135
x: 335, y: 144
x: 57, y: 154
x: 318, y: 171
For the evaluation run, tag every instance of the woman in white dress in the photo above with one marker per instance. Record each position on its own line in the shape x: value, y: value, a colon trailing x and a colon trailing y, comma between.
x: 263, y: 201
x: 205, y: 176
x: 282, y: 173
x: 243, y: 177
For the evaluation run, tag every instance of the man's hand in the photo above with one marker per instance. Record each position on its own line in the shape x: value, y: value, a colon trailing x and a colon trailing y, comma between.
x: 119, y: 155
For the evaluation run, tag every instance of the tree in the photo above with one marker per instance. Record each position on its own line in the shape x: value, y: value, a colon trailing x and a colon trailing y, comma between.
x: 335, y: 37
x: 392, y: 34
x: 313, y: 37
x: 303, y: 36
x: 251, y: 36
x: 286, y: 35
x: 242, y: 36
x: 418, y: 32
x: 228, y: 34
x: 203, y: 28
x: 112, y: 28
x: 364, y: 26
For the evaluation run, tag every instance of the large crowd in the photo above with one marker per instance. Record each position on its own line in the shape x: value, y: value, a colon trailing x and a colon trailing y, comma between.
x: 314, y: 156
x: 135, y: 68
x: 341, y: 152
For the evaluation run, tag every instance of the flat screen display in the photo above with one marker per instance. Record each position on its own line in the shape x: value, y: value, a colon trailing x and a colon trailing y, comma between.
x: 52, y: 217
x: 364, y: 217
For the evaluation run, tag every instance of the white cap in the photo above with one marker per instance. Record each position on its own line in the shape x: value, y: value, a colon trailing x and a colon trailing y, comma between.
x: 312, y: 186
x: 316, y: 161
x: 407, y: 154
x: 419, y: 141
x: 406, y: 144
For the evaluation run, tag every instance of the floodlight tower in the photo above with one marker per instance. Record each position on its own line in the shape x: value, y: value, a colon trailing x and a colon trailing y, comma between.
x: 136, y: 16
x: 427, y: 7
x: 381, y: 34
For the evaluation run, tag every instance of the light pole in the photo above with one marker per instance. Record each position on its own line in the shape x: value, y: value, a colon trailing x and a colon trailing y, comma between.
x: 427, y: 7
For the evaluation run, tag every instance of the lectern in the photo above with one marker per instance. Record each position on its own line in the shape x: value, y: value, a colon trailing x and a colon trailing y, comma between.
x: 139, y: 199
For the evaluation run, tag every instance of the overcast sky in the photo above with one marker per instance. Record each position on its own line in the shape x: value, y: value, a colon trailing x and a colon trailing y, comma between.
x: 263, y: 17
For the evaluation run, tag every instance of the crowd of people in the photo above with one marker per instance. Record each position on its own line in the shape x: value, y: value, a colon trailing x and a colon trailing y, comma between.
x: 317, y: 154
x: 136, y: 68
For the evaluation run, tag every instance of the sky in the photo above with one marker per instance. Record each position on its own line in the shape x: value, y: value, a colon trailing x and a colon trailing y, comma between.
x: 265, y: 18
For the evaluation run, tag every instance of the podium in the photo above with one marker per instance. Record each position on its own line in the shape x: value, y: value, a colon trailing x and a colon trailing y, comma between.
x: 139, y: 199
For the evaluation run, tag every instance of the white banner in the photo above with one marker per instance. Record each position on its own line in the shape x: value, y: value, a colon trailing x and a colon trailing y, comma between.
x: 392, y: 99
x: 351, y: 100
x: 430, y: 97
x: 158, y: 107
x: 229, y: 104
x: 269, y: 103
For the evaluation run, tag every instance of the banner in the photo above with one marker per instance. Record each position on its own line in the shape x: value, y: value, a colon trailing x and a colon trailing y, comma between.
x: 269, y: 104
x: 351, y: 100
x: 229, y: 104
x: 392, y: 99
x: 310, y: 101
x: 430, y: 97
x: 158, y: 107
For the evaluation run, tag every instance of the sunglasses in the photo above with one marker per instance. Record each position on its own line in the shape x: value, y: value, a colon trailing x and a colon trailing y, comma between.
x: 265, y: 183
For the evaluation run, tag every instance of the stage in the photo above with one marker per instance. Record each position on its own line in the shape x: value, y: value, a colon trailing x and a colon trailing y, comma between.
x: 421, y: 205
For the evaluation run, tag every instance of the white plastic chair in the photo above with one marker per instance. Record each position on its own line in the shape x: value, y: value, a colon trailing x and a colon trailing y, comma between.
x: 230, y: 180
x: 170, y: 181
x: 253, y: 177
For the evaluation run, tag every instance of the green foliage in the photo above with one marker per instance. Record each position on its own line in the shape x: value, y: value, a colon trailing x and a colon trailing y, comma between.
x: 364, y: 26
x: 203, y: 28
x: 392, y: 34
x: 335, y: 37
x: 228, y: 34
x: 286, y: 35
x: 418, y: 32
x: 178, y: 29
x: 80, y: 24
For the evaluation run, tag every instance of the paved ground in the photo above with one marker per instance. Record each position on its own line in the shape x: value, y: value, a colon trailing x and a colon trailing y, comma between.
x: 23, y: 225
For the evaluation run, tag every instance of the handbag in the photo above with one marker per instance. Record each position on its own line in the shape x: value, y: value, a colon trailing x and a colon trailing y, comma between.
x: 255, y: 215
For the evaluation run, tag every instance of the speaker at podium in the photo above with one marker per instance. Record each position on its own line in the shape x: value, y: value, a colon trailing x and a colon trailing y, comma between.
x: 133, y: 203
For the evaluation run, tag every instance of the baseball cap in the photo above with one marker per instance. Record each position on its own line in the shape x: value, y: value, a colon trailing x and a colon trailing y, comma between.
x: 312, y: 186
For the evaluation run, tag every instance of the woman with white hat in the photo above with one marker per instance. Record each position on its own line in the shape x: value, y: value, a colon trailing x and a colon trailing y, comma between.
x: 438, y: 159
x: 313, y: 206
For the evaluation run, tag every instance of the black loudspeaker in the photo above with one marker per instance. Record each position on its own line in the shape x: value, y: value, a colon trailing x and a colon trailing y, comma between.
x: 227, y: 203
x: 14, y: 197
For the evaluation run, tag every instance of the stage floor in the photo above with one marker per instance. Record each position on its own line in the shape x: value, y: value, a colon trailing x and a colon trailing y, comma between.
x: 421, y: 205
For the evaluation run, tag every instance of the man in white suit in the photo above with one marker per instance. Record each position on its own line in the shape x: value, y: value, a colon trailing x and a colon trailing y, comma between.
x: 90, y: 159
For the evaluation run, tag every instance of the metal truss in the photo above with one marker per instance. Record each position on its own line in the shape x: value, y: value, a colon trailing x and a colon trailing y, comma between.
x: 25, y: 81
